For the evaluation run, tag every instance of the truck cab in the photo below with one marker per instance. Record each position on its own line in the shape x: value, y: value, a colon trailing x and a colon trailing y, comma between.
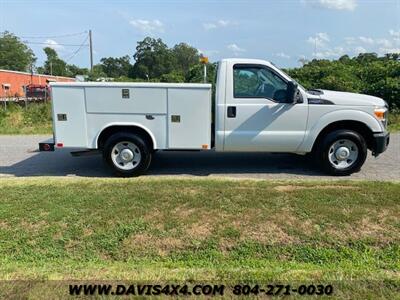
x: 258, y: 108
x: 253, y: 109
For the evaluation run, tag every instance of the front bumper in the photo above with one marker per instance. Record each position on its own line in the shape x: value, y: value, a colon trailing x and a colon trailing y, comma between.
x: 380, y: 142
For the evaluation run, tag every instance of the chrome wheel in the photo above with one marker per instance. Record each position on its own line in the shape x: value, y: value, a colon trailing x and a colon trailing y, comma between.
x: 343, y: 153
x: 126, y: 155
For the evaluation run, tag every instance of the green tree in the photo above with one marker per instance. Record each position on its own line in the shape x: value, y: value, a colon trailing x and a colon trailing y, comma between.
x: 196, y: 73
x: 116, y: 67
x: 174, y: 76
x: 73, y: 70
x: 96, y: 73
x: 152, y: 59
x: 186, y: 57
x: 14, y: 54
x: 54, y: 65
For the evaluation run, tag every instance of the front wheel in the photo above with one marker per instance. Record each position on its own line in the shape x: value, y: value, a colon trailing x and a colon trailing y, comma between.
x: 342, y: 152
x: 127, y: 154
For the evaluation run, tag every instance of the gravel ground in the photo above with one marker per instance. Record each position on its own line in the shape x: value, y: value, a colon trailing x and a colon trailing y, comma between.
x: 19, y: 157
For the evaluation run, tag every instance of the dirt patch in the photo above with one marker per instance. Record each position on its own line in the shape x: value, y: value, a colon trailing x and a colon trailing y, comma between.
x: 289, y: 220
x: 57, y: 236
x: 71, y: 245
x: 33, y: 227
x: 287, y: 188
x: 145, y: 241
x: 266, y: 232
x: 190, y: 191
x: 291, y: 188
x: 62, y: 225
x: 195, y: 223
x: 199, y: 231
x: 4, y: 225
x: 275, y: 228
x: 366, y: 228
x: 389, y: 216
x: 87, y: 232
x: 183, y: 212
x: 376, y: 230
x: 154, y: 215
x: 188, y: 215
x: 226, y: 245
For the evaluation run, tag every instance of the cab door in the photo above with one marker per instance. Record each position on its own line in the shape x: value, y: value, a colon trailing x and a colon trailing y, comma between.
x: 258, y: 117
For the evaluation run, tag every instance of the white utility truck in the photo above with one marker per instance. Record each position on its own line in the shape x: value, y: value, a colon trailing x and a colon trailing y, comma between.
x: 257, y: 108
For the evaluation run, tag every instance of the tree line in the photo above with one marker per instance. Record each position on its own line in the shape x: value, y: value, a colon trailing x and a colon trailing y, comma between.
x: 153, y: 60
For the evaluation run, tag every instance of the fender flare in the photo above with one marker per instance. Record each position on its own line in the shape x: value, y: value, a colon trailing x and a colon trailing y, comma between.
x: 131, y: 124
x: 337, y: 116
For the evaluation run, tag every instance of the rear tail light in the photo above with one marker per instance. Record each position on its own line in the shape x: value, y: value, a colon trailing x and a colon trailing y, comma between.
x: 46, y: 146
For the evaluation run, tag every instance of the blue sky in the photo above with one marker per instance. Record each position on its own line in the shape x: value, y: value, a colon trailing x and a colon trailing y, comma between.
x: 280, y: 31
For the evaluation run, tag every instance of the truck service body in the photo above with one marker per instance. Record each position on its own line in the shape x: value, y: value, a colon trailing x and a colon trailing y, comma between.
x: 257, y: 108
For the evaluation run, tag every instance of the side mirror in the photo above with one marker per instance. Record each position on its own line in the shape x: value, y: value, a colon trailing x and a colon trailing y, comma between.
x: 291, y: 91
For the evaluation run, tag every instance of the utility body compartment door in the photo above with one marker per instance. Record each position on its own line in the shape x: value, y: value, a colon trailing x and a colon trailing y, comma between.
x: 126, y: 100
x: 69, y: 116
x: 189, y: 118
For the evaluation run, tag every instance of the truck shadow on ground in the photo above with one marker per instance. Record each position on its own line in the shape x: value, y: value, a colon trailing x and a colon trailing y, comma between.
x: 61, y: 163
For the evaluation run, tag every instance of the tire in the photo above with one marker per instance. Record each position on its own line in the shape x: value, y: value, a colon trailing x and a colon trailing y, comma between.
x: 342, y: 152
x: 127, y: 154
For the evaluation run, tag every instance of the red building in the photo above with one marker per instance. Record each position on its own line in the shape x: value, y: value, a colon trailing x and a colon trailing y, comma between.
x: 14, y: 83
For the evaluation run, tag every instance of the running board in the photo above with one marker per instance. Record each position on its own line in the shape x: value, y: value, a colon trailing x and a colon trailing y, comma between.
x: 86, y: 152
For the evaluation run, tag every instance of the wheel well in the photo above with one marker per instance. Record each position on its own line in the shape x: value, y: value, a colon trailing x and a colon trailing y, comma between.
x: 357, y: 126
x: 109, y: 131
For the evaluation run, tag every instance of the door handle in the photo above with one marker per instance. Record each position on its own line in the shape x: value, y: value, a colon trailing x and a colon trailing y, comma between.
x: 231, y: 111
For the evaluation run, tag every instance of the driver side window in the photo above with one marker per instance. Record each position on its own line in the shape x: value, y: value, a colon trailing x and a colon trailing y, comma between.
x: 258, y: 82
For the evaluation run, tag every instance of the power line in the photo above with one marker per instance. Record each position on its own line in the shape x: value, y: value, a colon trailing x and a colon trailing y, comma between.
x: 69, y: 57
x: 52, y: 36
x: 79, y: 49
x: 44, y: 43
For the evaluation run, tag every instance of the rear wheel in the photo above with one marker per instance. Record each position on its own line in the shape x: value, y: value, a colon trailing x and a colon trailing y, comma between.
x: 342, y: 152
x: 127, y: 154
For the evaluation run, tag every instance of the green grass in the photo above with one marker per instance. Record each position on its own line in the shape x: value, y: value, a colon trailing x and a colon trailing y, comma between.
x: 35, y: 118
x: 191, y: 230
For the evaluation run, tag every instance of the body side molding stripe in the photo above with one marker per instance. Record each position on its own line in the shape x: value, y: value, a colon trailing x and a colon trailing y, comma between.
x: 320, y: 101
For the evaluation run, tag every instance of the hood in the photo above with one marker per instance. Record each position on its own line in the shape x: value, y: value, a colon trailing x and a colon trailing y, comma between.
x: 345, y: 98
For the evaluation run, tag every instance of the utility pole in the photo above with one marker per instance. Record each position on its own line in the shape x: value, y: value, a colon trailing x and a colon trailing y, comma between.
x: 91, y: 50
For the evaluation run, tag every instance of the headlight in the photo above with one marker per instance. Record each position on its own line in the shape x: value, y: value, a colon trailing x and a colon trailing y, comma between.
x: 381, y: 114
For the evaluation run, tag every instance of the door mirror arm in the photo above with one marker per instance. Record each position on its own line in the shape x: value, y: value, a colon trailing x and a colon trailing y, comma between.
x: 291, y: 92
x: 299, y: 97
